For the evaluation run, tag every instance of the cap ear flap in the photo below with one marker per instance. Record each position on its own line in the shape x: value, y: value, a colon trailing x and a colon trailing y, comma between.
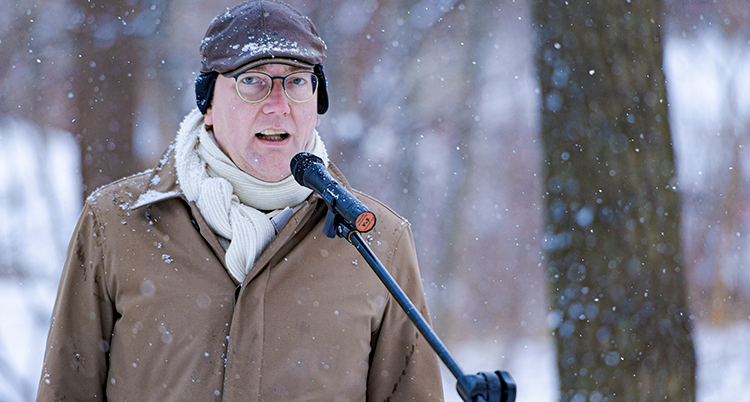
x: 204, y: 89
x: 322, y: 89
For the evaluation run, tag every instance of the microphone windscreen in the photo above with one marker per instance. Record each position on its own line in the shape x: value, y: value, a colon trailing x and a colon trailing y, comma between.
x: 300, y: 163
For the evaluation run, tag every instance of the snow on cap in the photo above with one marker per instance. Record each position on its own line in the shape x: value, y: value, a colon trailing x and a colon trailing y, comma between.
x: 256, y: 30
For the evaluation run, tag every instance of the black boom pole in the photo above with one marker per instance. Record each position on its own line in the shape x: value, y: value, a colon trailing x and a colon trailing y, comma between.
x: 346, y: 218
x: 481, y: 387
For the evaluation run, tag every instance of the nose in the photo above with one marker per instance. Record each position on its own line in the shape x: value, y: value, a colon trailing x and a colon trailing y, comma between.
x: 277, y: 102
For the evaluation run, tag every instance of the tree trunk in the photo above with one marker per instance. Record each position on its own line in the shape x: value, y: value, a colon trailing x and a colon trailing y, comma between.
x: 105, y: 89
x: 614, y: 259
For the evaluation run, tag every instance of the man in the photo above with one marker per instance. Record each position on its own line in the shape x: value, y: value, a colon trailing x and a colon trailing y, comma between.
x: 209, y: 277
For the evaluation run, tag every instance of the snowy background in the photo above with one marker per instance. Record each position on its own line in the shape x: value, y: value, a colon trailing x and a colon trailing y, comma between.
x: 707, y: 65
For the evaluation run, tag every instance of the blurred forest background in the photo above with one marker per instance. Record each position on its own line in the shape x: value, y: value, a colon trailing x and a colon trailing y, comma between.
x: 435, y: 110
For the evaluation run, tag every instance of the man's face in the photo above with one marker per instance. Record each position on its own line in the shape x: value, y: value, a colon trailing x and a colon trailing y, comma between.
x: 261, y: 138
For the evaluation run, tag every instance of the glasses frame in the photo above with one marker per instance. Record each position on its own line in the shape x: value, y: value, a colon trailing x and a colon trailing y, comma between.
x: 270, y: 88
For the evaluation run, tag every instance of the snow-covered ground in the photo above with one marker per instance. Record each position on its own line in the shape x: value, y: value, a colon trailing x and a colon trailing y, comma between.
x: 22, y: 308
x: 723, y: 363
x: 530, y: 361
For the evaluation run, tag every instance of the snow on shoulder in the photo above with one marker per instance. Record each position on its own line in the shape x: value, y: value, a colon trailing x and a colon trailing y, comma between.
x: 150, y: 197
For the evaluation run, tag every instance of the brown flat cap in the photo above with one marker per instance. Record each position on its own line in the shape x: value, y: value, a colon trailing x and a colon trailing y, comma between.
x: 256, y: 30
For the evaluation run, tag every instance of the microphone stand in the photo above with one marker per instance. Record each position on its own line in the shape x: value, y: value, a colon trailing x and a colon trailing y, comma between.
x: 481, y: 387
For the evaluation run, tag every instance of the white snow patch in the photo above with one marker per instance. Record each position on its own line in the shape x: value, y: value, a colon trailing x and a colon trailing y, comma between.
x: 152, y: 196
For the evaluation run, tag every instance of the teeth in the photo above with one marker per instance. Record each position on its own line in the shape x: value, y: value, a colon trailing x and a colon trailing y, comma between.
x: 272, y: 135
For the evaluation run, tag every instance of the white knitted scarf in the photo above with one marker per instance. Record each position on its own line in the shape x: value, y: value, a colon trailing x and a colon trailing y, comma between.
x: 229, y: 199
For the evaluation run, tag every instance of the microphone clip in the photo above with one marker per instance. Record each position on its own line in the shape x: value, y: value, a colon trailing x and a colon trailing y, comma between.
x: 336, y: 225
x: 332, y: 225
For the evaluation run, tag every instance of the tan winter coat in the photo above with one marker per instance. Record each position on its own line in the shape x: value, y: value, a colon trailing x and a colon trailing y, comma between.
x: 146, y: 310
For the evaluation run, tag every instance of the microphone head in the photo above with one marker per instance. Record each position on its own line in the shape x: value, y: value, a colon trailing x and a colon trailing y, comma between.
x: 301, y: 162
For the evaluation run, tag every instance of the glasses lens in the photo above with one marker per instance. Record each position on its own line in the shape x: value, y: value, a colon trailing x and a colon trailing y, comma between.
x: 253, y: 87
x: 300, y: 87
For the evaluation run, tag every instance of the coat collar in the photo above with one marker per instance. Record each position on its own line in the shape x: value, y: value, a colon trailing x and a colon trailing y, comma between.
x: 161, y: 182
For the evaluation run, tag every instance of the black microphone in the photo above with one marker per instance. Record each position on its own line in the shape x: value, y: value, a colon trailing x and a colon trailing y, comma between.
x: 310, y: 171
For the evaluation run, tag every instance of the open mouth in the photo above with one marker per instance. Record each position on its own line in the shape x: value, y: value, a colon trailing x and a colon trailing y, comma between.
x: 272, y: 135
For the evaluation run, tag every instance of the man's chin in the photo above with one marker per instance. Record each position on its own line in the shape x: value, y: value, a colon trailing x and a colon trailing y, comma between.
x: 275, y: 173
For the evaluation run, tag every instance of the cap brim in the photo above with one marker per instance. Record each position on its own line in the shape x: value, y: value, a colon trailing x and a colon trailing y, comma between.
x: 270, y: 60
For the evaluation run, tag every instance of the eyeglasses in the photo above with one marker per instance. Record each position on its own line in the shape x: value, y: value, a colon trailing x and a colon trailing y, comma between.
x: 255, y: 86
